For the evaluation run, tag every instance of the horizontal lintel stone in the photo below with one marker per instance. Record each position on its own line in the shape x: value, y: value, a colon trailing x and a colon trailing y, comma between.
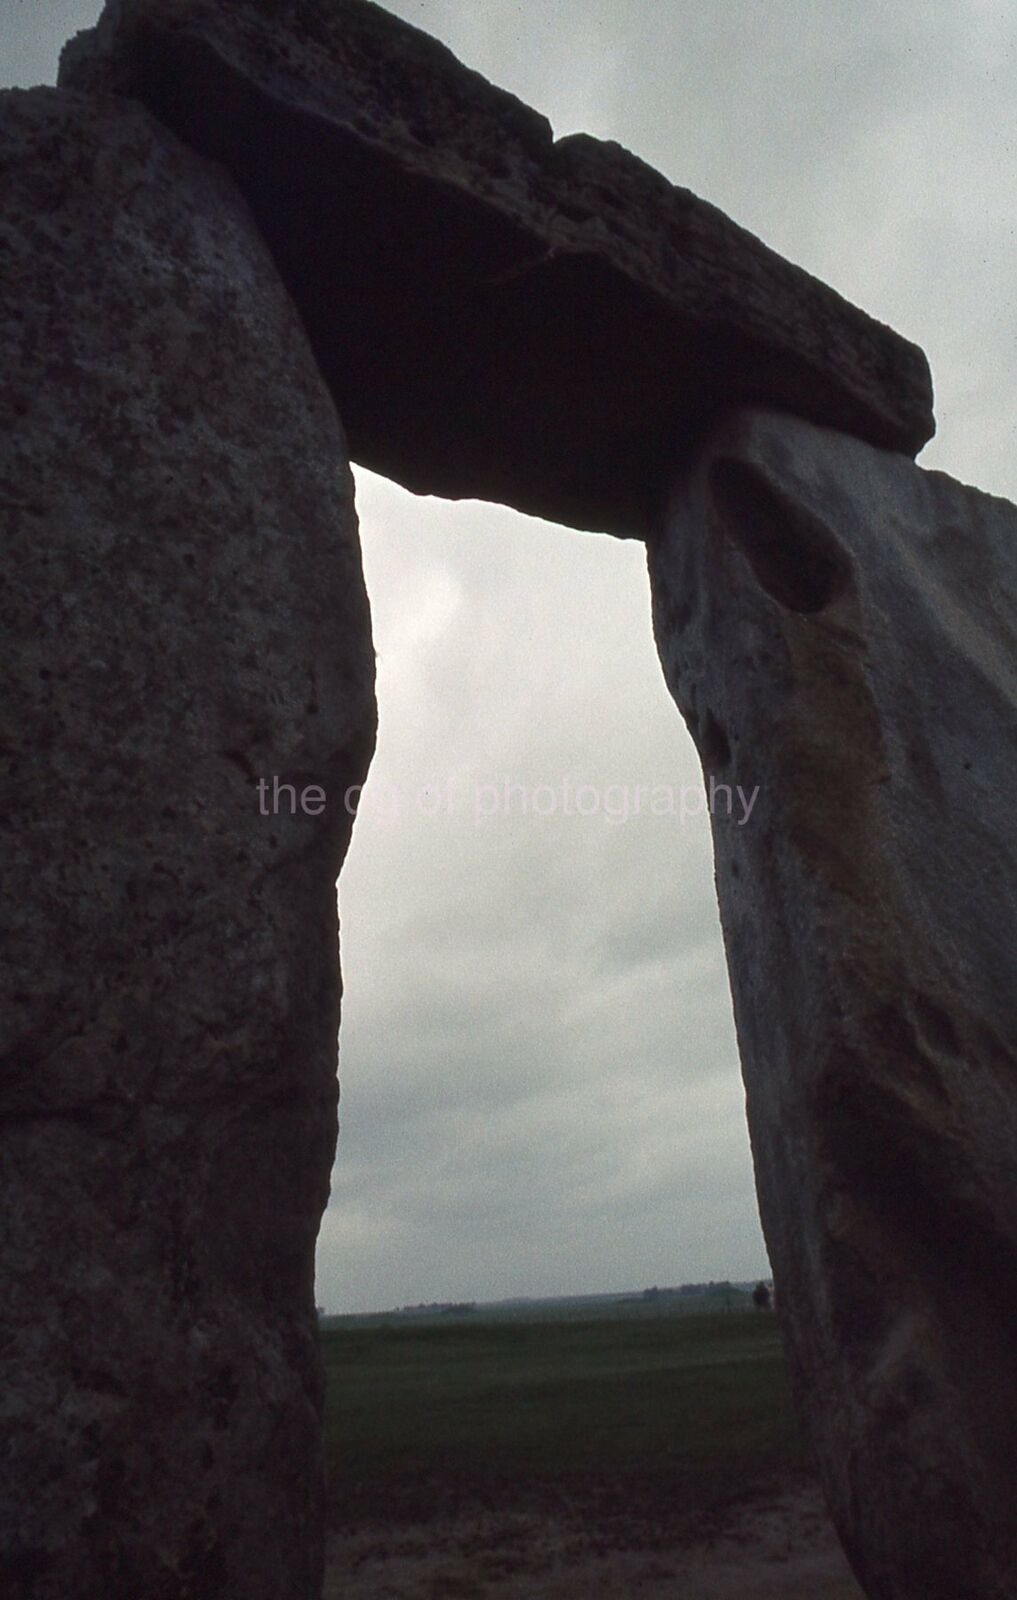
x: 498, y: 314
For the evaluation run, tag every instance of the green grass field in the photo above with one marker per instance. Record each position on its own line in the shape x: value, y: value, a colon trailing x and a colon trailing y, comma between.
x: 635, y: 1409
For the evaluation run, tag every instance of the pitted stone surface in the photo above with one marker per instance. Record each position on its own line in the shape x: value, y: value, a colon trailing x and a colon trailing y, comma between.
x: 183, y: 613
x: 837, y: 627
x: 498, y: 314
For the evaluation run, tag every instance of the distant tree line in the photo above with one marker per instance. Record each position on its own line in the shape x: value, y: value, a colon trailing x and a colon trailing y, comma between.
x: 722, y: 1288
x: 448, y: 1308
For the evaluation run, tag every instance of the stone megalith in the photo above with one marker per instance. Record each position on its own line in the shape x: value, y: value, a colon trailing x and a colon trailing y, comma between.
x: 191, y: 701
x: 183, y: 616
x: 837, y: 627
x: 498, y: 314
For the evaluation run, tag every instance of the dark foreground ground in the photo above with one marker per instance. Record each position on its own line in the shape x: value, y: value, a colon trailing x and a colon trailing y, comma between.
x: 647, y: 1455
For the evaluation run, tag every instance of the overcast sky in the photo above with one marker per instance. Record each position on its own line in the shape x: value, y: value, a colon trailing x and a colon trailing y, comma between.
x: 540, y: 1082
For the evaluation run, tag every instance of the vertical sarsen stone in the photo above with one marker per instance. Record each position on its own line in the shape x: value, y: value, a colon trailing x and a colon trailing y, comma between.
x: 184, y: 613
x: 837, y: 626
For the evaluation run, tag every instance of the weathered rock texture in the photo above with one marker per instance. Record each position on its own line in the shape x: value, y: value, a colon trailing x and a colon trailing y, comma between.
x: 183, y: 614
x: 838, y: 629
x: 497, y: 314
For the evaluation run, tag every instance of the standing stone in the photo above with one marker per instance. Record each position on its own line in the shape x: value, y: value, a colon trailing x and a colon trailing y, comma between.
x: 183, y: 615
x: 837, y: 627
x: 498, y: 313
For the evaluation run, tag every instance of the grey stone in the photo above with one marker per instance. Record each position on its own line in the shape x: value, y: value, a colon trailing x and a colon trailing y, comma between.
x: 497, y: 314
x: 183, y: 614
x: 837, y: 627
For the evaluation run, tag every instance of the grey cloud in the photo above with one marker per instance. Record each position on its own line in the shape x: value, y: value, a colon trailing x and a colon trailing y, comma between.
x: 529, y: 1021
